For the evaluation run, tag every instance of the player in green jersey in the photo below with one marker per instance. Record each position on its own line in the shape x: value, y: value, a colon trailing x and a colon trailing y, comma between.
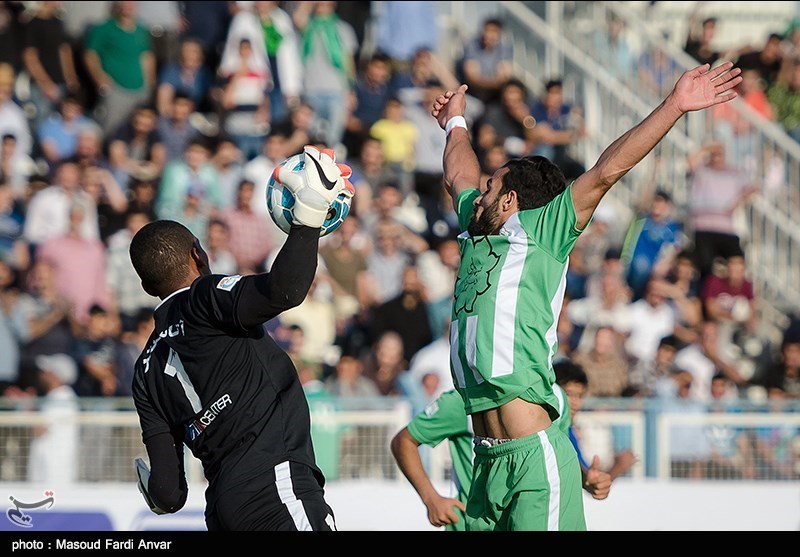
x: 446, y: 418
x: 517, y: 234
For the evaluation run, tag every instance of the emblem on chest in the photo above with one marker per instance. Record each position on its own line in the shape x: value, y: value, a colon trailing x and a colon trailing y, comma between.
x: 475, y: 277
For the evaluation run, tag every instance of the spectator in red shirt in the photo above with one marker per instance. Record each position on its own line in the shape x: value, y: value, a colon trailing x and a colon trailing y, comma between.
x: 729, y: 299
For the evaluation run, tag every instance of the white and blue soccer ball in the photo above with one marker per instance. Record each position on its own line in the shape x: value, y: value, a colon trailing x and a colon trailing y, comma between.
x: 280, y: 201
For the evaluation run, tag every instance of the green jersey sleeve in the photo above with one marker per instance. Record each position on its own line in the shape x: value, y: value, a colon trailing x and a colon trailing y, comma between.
x: 465, y: 207
x: 443, y: 418
x: 553, y: 226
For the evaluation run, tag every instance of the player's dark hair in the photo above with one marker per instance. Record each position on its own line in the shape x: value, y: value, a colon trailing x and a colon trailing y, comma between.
x: 535, y: 179
x: 160, y: 254
x: 568, y: 371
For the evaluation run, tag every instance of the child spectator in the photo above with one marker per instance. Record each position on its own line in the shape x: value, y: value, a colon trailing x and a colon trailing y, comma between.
x: 398, y: 136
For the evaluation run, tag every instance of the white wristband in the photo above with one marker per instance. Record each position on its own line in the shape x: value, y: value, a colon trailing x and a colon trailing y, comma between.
x: 455, y: 122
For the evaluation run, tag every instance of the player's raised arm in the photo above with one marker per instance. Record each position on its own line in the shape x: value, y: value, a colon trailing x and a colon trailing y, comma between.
x: 696, y: 89
x: 462, y: 170
x: 294, y: 268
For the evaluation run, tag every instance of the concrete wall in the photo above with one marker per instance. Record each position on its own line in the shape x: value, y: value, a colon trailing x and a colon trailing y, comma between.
x: 649, y: 505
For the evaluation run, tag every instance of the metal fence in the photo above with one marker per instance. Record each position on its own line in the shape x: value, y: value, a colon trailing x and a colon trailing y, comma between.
x: 98, y: 442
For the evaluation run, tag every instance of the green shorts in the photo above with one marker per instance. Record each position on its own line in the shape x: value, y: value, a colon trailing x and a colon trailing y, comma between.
x: 530, y: 483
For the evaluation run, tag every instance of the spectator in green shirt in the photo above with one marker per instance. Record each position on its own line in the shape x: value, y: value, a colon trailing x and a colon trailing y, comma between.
x: 120, y: 60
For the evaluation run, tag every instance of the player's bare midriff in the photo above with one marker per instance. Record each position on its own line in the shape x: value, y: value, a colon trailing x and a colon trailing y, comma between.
x: 514, y: 419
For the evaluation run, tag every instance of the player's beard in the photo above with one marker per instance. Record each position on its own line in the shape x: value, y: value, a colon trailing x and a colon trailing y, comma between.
x: 488, y: 223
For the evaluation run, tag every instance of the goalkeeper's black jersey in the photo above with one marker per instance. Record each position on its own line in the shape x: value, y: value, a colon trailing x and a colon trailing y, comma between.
x: 229, y: 391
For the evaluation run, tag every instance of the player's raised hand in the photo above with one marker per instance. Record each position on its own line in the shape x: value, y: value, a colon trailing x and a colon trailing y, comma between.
x: 597, y: 482
x: 704, y: 86
x: 449, y: 104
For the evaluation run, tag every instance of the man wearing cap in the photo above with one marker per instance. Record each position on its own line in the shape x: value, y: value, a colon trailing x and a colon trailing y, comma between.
x: 54, y: 449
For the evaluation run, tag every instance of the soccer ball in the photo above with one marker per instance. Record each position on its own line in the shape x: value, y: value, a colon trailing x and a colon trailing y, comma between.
x: 280, y: 201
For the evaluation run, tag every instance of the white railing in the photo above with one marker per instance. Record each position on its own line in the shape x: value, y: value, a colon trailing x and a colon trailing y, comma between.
x: 737, y: 435
x: 631, y: 422
x: 354, y: 444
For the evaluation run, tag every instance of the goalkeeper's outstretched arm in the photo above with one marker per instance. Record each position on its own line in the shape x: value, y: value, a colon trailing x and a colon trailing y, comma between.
x: 287, y: 283
x: 289, y: 280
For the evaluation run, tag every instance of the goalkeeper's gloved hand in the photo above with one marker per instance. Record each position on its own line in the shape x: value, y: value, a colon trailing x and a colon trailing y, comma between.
x: 315, y: 187
x: 143, y: 472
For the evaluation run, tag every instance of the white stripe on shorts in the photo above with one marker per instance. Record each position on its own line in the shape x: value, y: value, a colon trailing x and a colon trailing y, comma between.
x: 283, y: 481
x: 551, y: 469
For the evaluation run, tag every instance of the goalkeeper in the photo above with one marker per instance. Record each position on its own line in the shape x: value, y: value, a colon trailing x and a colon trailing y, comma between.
x: 212, y: 379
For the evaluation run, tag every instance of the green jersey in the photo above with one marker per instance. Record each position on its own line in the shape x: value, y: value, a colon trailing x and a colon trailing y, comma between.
x: 508, y: 297
x: 446, y: 418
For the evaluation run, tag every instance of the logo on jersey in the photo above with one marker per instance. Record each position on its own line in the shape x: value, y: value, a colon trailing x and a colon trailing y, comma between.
x: 228, y: 283
x: 474, y: 277
x: 432, y: 408
x: 171, y: 331
x: 199, y: 424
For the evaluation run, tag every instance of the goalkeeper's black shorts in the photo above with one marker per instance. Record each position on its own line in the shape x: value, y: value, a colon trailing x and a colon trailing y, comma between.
x: 289, y: 498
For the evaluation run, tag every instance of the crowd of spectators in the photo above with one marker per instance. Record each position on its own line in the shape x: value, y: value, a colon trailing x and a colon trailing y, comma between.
x: 126, y: 112
x: 770, y: 66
